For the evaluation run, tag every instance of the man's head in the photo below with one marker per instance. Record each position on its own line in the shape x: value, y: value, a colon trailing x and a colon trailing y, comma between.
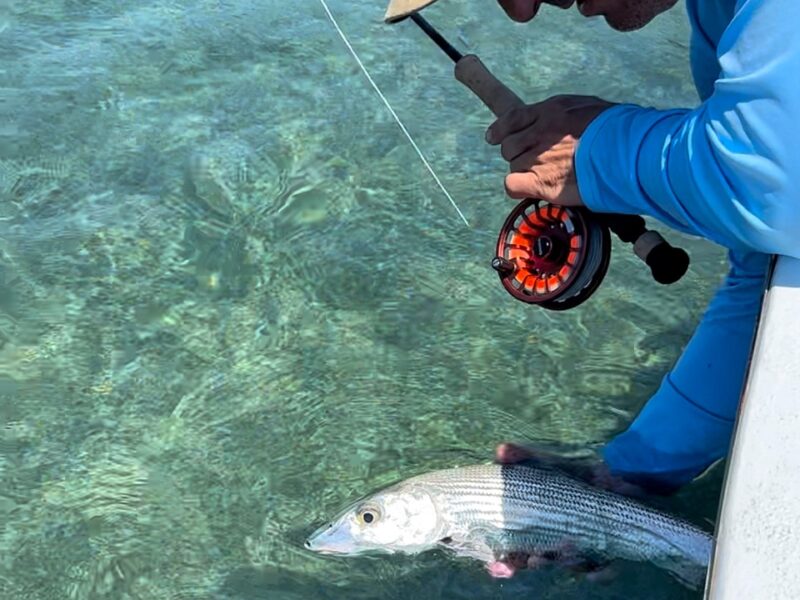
x: 622, y: 15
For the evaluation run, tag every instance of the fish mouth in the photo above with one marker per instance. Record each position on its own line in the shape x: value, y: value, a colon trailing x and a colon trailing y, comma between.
x: 332, y: 539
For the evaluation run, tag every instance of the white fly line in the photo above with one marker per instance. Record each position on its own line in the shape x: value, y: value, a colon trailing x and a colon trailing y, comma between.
x: 393, y: 113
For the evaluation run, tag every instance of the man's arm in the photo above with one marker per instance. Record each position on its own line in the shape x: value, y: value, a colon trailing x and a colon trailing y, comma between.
x: 728, y: 170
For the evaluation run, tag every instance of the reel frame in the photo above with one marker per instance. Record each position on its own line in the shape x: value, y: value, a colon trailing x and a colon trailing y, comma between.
x: 552, y: 256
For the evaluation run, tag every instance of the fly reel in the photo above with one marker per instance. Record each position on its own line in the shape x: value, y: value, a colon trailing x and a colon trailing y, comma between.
x: 551, y: 255
x: 557, y: 256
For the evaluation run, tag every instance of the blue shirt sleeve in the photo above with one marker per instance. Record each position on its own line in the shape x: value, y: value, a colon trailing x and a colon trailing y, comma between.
x: 728, y: 170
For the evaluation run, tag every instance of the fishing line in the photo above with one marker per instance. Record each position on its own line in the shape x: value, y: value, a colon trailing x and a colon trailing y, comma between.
x: 393, y: 113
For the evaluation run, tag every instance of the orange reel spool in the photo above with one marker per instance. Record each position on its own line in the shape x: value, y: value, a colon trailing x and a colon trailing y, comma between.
x: 552, y: 256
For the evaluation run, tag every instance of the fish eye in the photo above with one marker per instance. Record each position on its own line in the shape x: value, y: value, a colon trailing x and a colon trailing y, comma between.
x: 368, y: 515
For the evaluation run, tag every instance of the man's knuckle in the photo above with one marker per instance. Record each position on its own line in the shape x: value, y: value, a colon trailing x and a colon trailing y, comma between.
x: 513, y: 115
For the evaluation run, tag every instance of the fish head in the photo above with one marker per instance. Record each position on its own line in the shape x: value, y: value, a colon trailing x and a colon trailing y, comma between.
x: 400, y: 519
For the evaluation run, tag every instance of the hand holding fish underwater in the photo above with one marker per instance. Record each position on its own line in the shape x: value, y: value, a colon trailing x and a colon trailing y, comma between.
x: 582, y: 168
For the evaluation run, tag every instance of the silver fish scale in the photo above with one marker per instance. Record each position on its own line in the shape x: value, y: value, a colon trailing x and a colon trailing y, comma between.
x: 494, y: 509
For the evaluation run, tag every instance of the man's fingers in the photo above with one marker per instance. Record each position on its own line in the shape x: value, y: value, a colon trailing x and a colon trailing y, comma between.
x: 510, y: 454
x: 500, y: 570
x: 514, y: 120
x: 525, y: 161
x: 517, y: 143
x: 539, y: 183
x: 525, y: 185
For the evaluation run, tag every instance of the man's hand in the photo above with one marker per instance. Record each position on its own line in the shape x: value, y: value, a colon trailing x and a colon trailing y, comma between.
x: 594, y: 473
x: 539, y: 141
x: 524, y: 10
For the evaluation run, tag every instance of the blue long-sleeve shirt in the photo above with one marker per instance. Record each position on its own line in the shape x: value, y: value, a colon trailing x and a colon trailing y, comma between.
x: 729, y: 169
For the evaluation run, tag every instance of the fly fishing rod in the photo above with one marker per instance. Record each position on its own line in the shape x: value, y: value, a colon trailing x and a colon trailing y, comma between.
x: 549, y: 255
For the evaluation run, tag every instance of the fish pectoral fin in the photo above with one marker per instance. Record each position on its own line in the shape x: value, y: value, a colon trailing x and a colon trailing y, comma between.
x: 469, y: 547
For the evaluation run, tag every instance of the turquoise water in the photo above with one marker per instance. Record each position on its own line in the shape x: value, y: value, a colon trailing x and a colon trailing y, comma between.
x: 233, y: 299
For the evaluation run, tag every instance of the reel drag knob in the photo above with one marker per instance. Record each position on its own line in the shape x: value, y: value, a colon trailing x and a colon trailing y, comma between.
x: 551, y: 256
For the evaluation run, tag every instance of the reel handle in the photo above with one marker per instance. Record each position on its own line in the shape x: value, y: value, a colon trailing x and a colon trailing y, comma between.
x: 667, y: 263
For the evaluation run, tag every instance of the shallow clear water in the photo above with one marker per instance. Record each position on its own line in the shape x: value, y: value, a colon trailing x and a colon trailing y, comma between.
x: 232, y: 298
